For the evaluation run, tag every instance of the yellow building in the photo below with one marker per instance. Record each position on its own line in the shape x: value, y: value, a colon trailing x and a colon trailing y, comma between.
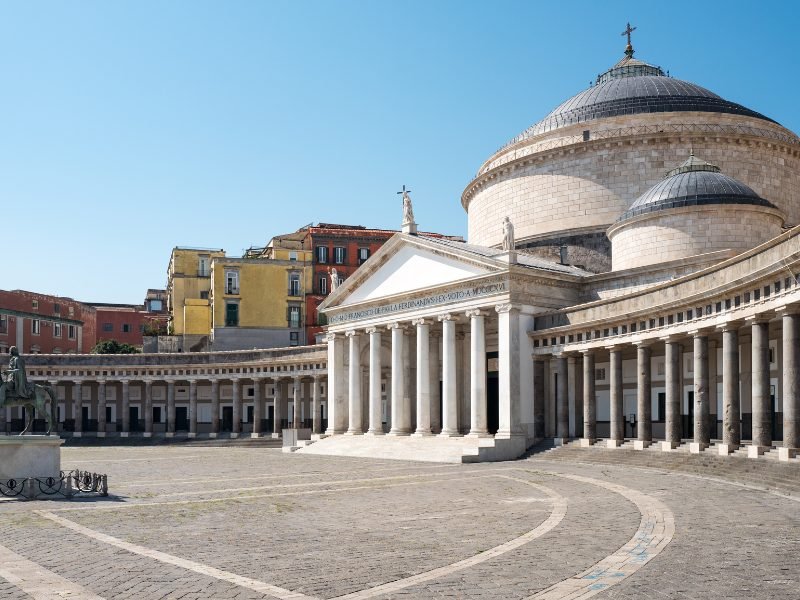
x: 189, y: 296
x: 259, y: 302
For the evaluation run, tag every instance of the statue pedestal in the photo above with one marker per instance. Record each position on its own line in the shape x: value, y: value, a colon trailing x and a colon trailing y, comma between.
x: 24, y: 456
x: 409, y: 228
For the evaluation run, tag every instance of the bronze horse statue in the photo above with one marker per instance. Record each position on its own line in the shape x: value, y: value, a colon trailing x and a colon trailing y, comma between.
x: 37, y: 402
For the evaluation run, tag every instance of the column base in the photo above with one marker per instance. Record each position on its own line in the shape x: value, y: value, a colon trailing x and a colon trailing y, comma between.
x: 614, y: 443
x: 726, y: 449
x: 123, y: 434
x: 234, y: 435
x: 399, y: 433
x: 255, y: 435
x: 276, y: 436
x: 170, y: 434
x: 478, y: 434
x: 212, y: 435
x: 668, y: 446
x: 641, y: 444
x: 449, y: 433
x: 352, y: 432
x: 420, y: 433
x: 147, y: 434
x: 373, y: 432
x: 77, y: 434
x: 587, y: 442
x: 191, y: 435
x: 560, y: 441
x: 756, y: 451
x: 101, y: 434
x: 786, y: 454
x: 697, y: 447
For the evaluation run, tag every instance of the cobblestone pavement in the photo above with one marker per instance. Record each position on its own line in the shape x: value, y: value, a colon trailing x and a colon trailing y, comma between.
x: 189, y: 522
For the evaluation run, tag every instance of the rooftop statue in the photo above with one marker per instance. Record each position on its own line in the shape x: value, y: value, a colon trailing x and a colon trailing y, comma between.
x: 508, y: 235
x: 408, y: 209
x: 334, y: 279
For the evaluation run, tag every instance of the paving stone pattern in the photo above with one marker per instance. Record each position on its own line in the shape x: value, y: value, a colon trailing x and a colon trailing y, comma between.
x: 255, y: 520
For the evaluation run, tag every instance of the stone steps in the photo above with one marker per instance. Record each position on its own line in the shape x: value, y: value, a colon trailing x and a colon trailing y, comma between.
x: 260, y: 442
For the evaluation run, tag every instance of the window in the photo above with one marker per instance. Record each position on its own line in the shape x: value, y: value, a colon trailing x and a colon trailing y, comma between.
x: 35, y: 326
x: 126, y: 328
x: 156, y: 305
x: 231, y: 282
x: 322, y: 254
x: 57, y: 308
x: 203, y: 267
x: 231, y: 314
x: 3, y: 324
x: 71, y: 311
x: 108, y: 327
x: 294, y: 284
x: 323, y: 284
x: 600, y: 374
x: 339, y: 255
x: 294, y: 316
x: 363, y: 255
x: 292, y: 255
x: 57, y: 330
x: 294, y: 338
x: 71, y: 332
x: 204, y: 295
x: 35, y: 304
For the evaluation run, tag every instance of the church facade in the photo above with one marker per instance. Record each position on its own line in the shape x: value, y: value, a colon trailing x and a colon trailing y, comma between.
x: 649, y: 291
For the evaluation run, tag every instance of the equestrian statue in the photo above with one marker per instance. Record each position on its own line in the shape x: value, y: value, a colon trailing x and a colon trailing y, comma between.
x: 16, y: 391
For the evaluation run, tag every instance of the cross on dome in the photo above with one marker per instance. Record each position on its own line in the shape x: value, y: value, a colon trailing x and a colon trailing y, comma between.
x: 629, y: 47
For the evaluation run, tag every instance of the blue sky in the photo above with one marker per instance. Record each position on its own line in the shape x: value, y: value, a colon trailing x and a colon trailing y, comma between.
x: 129, y: 128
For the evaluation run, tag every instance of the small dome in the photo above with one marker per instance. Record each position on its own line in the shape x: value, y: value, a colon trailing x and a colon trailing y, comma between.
x: 693, y: 183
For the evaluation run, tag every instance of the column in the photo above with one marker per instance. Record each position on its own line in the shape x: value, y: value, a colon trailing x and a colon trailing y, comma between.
x: 538, y: 397
x: 672, y: 382
x: 148, y: 408
x: 791, y: 384
x: 297, y: 386
x: 589, y: 400
x: 214, y: 408
x: 449, y: 374
x: 562, y: 399
x: 192, y: 408
x: 337, y: 389
x: 434, y: 378
x: 399, y: 426
x: 508, y: 333
x: 731, y: 402
x: 126, y: 408
x: 423, y: 378
x: 277, y: 409
x: 354, y: 381
x: 702, y: 437
x: 375, y: 424
x: 617, y: 414
x: 762, y: 414
x: 644, y: 402
x: 258, y: 406
x: 170, y: 409
x: 477, y: 375
x: 315, y: 406
x: 236, y: 392
x: 77, y: 408
x: 101, y: 409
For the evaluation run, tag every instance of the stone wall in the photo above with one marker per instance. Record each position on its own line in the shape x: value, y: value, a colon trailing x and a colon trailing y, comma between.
x: 589, y: 184
x: 671, y: 235
x: 590, y: 250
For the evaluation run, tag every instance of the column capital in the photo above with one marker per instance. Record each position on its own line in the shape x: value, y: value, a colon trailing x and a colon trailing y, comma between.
x: 614, y: 347
x: 587, y: 351
x: 672, y: 338
x: 788, y: 310
x: 351, y: 333
x: 447, y: 317
x: 317, y: 377
x: 330, y: 336
x: 396, y: 325
x: 504, y: 308
x: 371, y: 330
x: 730, y: 326
x: 643, y: 343
x: 701, y: 332
x: 475, y: 312
x: 418, y: 322
x: 763, y: 317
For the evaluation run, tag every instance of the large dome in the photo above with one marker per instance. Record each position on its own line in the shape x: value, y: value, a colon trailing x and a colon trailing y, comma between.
x: 633, y: 87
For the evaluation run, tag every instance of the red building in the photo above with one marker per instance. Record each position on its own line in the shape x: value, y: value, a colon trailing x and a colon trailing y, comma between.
x: 43, y: 324
x: 125, y: 323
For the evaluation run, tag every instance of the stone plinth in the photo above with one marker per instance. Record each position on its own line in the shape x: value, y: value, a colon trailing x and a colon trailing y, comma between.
x: 786, y: 454
x: 30, y: 456
x: 756, y: 451
x: 697, y: 447
x: 668, y: 446
x: 587, y: 442
x: 726, y: 449
x: 641, y: 444
x: 614, y: 443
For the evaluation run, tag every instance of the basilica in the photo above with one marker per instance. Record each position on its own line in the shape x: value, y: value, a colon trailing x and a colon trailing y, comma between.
x: 630, y: 277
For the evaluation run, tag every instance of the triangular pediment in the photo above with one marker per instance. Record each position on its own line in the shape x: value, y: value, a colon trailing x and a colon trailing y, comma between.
x: 405, y: 265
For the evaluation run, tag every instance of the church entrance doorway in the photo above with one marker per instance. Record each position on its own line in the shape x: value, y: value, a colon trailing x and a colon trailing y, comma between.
x: 688, y: 419
x: 270, y: 418
x: 133, y: 413
x: 181, y: 418
x: 227, y: 418
x: 492, y: 392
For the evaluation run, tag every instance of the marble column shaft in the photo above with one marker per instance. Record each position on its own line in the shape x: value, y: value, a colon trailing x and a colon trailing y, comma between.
x: 449, y: 375
x: 589, y: 397
x: 562, y: 398
x: 399, y: 426
x: 435, y: 380
x: 193, y: 407
x: 77, y: 406
x: 171, y: 407
x: 297, y: 418
x: 423, y: 378
x: 126, y: 406
x: 277, y: 411
x: 375, y: 422
x: 731, y: 402
x: 148, y: 408
x: 215, y: 407
x: 258, y: 406
x: 354, y: 383
x: 791, y: 380
x: 702, y: 434
x: 538, y: 398
x: 477, y: 371
x: 617, y: 425
x: 101, y: 408
x: 644, y: 427
x: 672, y: 367
x: 236, y: 392
x: 762, y: 413
x: 315, y: 406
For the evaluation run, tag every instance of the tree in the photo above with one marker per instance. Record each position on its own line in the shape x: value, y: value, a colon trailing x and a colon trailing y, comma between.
x: 113, y: 347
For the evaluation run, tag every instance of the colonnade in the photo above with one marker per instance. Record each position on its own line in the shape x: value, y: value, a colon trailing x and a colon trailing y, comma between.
x: 258, y: 401
x: 762, y: 430
x: 436, y: 360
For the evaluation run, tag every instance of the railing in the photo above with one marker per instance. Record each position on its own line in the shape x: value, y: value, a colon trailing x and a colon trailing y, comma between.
x: 68, y: 485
